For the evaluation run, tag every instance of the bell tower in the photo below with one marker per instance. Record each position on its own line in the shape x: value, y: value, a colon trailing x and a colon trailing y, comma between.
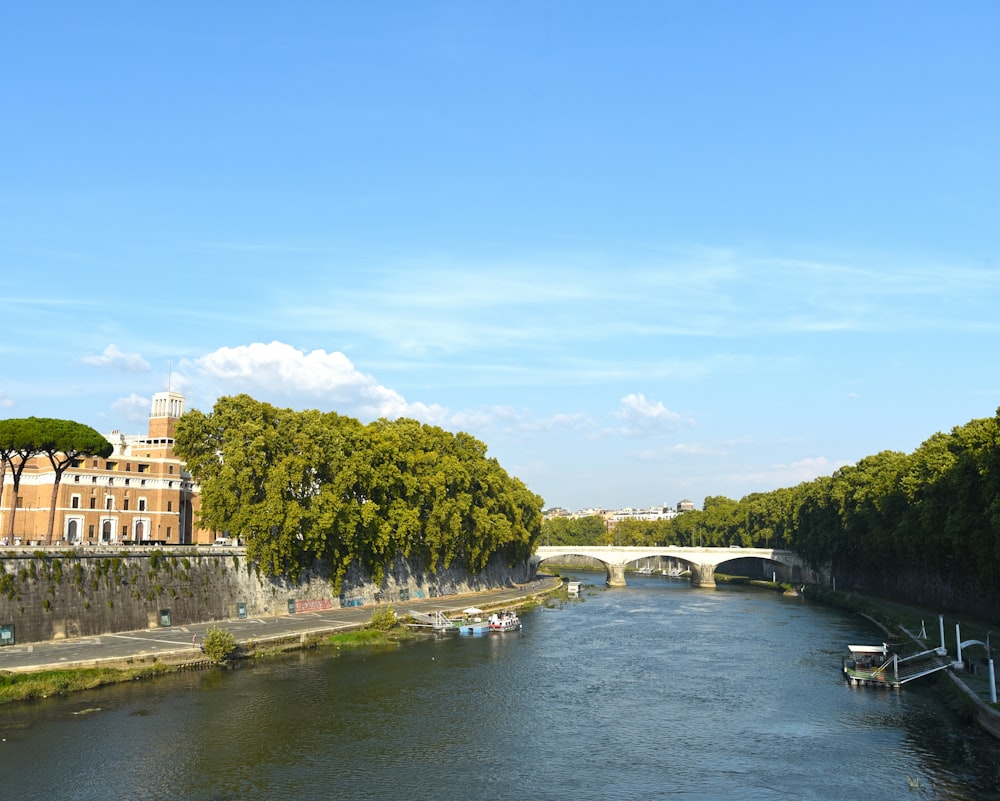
x: 167, y: 408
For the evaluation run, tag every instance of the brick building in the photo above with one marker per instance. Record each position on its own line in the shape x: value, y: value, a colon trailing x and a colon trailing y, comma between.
x: 141, y: 494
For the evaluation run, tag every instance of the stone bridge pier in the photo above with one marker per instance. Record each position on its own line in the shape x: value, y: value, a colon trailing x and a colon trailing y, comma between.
x: 703, y: 575
x: 616, y: 575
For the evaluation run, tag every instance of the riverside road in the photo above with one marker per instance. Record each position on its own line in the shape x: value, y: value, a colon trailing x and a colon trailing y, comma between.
x: 177, y: 641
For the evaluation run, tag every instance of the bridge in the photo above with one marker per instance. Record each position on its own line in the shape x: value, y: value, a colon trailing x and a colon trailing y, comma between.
x: 703, y: 562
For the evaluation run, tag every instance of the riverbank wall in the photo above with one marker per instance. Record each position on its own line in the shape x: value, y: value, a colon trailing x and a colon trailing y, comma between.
x: 954, y: 591
x: 55, y: 594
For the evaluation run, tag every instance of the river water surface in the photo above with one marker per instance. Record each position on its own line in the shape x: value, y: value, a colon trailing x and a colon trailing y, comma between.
x: 652, y: 691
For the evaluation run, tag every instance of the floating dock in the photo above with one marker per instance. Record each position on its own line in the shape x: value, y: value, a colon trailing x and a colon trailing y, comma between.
x: 877, y: 666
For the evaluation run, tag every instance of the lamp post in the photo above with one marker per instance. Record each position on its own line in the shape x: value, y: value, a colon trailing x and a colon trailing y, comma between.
x: 989, y: 661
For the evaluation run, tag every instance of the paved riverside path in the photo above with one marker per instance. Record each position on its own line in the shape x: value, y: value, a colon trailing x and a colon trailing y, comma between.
x: 173, y: 643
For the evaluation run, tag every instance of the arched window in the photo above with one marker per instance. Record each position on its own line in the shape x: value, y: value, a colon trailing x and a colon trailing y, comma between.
x: 72, y: 531
x: 139, y: 530
x: 106, y: 531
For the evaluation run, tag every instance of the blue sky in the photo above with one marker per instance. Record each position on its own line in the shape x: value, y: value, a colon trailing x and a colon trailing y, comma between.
x: 645, y: 251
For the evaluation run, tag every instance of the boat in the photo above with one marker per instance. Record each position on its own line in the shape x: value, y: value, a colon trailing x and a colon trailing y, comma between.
x: 573, y: 587
x: 476, y: 628
x: 880, y: 666
x: 504, y: 621
x: 473, y: 627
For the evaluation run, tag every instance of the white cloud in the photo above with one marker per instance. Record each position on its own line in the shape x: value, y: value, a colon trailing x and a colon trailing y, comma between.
x: 508, y: 418
x: 640, y: 415
x: 133, y: 408
x: 794, y: 473
x: 116, y: 359
x: 6, y: 402
x: 279, y: 372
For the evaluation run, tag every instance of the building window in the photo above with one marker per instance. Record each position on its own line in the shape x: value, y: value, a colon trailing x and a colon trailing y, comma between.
x: 143, y: 468
x: 74, y: 502
x: 125, y: 504
x: 170, y: 506
x: 93, y: 502
x: 170, y: 469
x: 106, y: 531
x: 76, y: 479
x: 109, y: 502
x: 168, y: 532
x: 111, y: 466
x: 128, y: 481
x: 142, y: 504
x: 124, y: 532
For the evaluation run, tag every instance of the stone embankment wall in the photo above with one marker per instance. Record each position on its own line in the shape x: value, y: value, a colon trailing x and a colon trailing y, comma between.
x: 956, y: 593
x: 54, y: 594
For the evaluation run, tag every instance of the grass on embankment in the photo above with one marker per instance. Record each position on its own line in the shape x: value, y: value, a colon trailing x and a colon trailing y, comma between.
x: 383, y: 631
x: 369, y: 638
x: 27, y: 686
x: 16, y: 687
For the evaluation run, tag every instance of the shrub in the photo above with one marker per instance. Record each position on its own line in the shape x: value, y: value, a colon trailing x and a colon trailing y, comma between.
x: 383, y: 618
x: 218, y: 645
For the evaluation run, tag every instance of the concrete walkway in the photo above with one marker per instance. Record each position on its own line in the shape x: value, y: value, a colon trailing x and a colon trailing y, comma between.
x: 180, y: 644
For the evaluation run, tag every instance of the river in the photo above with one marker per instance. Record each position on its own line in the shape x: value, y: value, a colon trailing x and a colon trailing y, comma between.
x: 656, y: 690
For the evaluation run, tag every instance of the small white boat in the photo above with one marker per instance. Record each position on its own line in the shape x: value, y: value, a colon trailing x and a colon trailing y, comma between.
x: 574, y: 587
x: 504, y: 621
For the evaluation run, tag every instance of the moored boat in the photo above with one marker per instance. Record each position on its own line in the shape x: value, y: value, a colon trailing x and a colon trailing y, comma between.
x: 504, y: 621
x: 879, y: 666
x: 475, y: 628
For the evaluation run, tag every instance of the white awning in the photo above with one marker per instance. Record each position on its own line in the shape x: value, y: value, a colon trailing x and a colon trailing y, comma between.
x: 868, y: 649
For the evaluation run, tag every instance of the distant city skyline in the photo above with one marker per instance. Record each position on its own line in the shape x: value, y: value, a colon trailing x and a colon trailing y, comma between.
x: 643, y: 251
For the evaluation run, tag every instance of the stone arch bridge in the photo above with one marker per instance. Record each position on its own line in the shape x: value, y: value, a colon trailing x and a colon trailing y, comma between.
x: 703, y: 562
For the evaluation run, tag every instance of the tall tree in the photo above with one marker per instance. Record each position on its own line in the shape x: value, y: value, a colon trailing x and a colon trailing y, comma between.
x: 18, y: 443
x: 63, y: 442
x: 300, y: 486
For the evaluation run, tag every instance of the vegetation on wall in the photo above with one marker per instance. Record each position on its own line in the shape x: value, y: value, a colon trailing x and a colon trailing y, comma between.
x: 88, y: 574
x: 299, y: 486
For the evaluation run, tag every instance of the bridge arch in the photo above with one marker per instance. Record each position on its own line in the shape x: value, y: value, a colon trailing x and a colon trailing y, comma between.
x: 784, y: 565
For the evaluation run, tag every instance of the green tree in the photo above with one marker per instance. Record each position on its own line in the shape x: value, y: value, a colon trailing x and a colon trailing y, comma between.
x: 590, y: 530
x: 62, y: 441
x: 17, y: 445
x: 383, y: 618
x: 302, y: 486
x: 218, y: 645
